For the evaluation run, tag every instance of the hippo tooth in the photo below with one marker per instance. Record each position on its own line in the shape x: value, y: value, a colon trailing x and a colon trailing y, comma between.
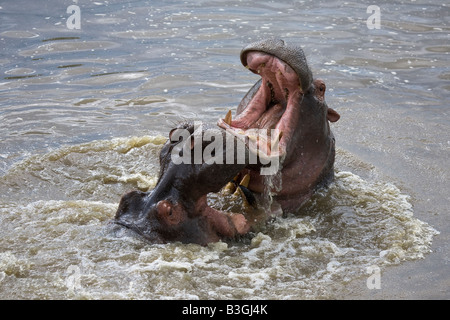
x: 280, y: 135
x: 241, y: 193
x: 248, y: 199
x: 275, y: 144
x: 228, y: 118
x: 245, y: 181
x: 229, y: 188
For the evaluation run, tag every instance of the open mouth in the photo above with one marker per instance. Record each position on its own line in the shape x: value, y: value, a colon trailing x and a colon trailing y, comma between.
x: 267, y: 123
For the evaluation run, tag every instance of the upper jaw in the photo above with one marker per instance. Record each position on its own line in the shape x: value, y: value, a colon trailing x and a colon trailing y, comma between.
x: 268, y: 121
x: 293, y: 55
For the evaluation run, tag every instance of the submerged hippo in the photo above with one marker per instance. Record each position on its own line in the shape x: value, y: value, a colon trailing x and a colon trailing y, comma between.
x: 287, y: 104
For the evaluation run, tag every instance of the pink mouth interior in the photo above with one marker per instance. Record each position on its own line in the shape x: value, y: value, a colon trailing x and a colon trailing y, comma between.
x: 274, y: 106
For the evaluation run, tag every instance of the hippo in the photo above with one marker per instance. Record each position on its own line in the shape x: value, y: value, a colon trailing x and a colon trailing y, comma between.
x: 176, y: 209
x: 286, y: 104
x: 288, y: 99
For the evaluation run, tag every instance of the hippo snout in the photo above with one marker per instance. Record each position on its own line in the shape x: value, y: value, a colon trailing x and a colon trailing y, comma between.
x: 160, y: 219
x: 136, y: 213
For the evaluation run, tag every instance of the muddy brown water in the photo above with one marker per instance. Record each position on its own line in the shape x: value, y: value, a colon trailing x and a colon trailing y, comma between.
x: 84, y: 113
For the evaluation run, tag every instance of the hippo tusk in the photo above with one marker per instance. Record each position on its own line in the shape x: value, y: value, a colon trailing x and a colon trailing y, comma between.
x: 275, y: 143
x: 248, y: 198
x: 242, y: 190
x: 228, y: 118
x: 230, y: 187
x: 245, y: 181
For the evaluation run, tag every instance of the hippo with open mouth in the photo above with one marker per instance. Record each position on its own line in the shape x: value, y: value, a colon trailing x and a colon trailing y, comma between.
x: 287, y: 99
x: 288, y: 106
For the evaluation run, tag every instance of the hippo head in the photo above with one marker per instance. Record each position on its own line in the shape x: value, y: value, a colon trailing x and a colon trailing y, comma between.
x: 286, y: 98
x: 286, y: 101
x: 176, y: 209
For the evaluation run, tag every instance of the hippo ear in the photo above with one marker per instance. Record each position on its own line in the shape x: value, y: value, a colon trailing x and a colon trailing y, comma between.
x: 182, y: 134
x: 172, y: 132
x: 332, y: 115
x: 167, y: 213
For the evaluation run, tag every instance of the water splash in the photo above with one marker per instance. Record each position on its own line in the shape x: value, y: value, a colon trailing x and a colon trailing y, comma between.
x: 353, y: 224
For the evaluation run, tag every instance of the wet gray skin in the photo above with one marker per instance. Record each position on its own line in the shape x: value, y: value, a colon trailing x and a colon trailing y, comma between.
x: 286, y: 99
